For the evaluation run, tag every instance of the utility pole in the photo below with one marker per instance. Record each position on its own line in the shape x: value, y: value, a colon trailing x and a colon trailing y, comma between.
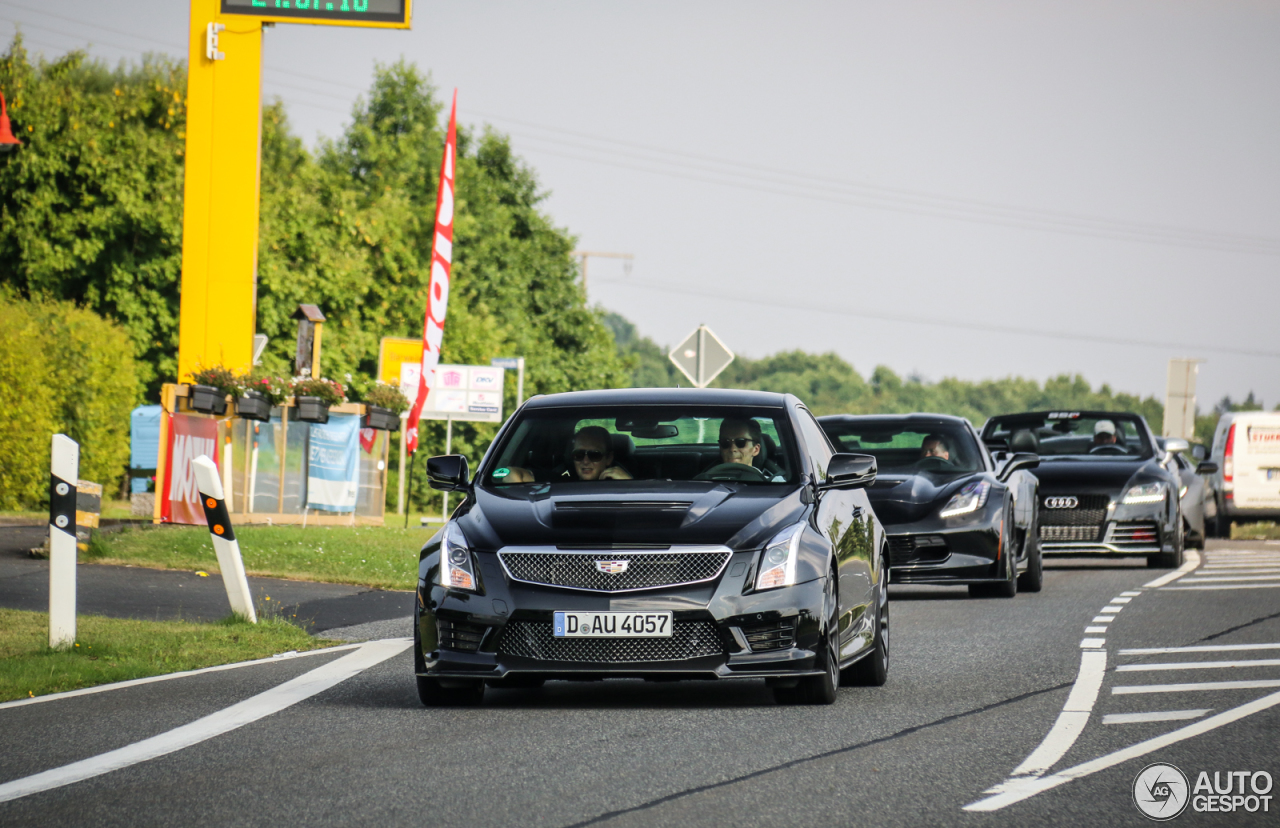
x: 583, y: 255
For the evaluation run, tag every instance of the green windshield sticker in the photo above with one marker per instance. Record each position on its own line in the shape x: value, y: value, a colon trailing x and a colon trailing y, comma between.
x: 502, y: 472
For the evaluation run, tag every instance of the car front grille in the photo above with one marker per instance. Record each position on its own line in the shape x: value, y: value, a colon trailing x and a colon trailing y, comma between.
x: 778, y: 635
x: 1136, y: 533
x: 639, y: 570
x: 534, y: 639
x: 1077, y: 534
x: 1091, y: 510
x: 916, y: 549
x: 460, y: 635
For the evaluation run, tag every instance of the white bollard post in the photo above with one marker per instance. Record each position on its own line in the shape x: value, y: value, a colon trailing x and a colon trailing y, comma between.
x: 64, y: 471
x: 224, y: 538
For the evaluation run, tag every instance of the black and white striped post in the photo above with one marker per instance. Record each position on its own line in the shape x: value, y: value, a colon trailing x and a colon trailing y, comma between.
x: 64, y: 471
x: 224, y: 538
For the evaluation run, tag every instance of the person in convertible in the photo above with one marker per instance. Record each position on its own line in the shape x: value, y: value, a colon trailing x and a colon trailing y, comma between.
x: 591, y: 455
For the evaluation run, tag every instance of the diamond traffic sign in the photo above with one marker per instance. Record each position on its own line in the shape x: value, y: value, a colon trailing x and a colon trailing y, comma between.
x: 701, y: 357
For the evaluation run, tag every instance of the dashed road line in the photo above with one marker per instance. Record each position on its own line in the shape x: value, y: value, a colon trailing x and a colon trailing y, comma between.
x: 237, y: 715
x: 1201, y: 665
x: 1072, y: 719
x: 1156, y: 716
x: 1200, y: 648
x: 1193, y: 686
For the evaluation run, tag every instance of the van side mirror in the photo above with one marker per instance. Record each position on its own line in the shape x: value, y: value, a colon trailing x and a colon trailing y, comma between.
x: 1021, y: 460
x: 850, y: 471
x: 447, y: 472
x: 1207, y: 468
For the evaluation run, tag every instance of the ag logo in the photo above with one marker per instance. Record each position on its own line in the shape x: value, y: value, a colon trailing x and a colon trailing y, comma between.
x: 1061, y: 502
x: 1161, y: 791
x: 612, y: 567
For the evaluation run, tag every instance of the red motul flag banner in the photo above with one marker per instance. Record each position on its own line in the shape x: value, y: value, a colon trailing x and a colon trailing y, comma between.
x: 438, y: 290
x: 189, y: 437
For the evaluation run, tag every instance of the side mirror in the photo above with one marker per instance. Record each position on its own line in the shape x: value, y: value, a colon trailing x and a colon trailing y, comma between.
x: 448, y: 472
x: 1174, y: 445
x: 850, y: 471
x: 1021, y: 460
x: 1207, y: 468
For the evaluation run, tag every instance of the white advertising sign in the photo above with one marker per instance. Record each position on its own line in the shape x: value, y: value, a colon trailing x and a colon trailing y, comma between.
x: 471, y: 393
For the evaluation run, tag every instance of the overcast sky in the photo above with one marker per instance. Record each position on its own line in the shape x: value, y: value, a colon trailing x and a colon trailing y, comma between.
x: 972, y: 189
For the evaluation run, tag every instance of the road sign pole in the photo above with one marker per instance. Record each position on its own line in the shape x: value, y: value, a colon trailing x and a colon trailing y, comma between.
x: 519, y: 382
x: 702, y: 356
x: 448, y: 449
x: 64, y: 472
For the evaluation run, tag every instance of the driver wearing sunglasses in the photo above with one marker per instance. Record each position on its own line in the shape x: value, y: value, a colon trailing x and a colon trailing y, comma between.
x: 739, y: 441
x: 592, y: 456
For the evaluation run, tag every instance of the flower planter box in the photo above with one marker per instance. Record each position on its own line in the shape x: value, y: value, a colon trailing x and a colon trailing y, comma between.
x: 312, y: 410
x: 383, y: 419
x: 207, y: 399
x: 254, y: 406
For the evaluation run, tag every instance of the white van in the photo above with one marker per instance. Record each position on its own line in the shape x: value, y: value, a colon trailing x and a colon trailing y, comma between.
x: 1246, y: 447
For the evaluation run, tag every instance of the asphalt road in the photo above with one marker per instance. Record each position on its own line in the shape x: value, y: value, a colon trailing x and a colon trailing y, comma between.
x: 978, y: 689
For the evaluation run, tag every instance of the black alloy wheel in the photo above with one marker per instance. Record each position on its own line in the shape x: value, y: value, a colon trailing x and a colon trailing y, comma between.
x: 1008, y: 587
x: 1033, y: 579
x: 1196, y: 538
x: 872, y: 670
x: 430, y: 691
x: 819, y: 689
x: 1174, y: 559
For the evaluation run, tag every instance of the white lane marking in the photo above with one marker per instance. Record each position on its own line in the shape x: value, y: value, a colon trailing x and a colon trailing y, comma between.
x: 1201, y: 665
x: 1157, y: 716
x: 1238, y: 567
x: 1089, y: 630
x: 1201, y: 648
x: 1093, y: 643
x: 237, y: 715
x: 1228, y: 586
x: 1074, y: 716
x: 1103, y: 619
x: 1222, y: 578
x: 1120, y: 600
x: 1027, y: 787
x: 1110, y: 609
x: 1192, y: 561
x: 1131, y: 594
x: 120, y: 685
x: 1198, y: 685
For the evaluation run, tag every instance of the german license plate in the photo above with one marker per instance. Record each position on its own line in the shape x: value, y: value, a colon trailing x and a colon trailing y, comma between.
x: 612, y: 625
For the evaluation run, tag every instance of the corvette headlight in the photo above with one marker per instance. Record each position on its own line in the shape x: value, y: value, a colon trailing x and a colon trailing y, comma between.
x: 969, y: 499
x: 778, y: 562
x: 457, y: 568
x: 1144, y: 493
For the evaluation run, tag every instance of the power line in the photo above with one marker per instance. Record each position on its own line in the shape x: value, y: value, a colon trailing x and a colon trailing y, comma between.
x: 935, y: 322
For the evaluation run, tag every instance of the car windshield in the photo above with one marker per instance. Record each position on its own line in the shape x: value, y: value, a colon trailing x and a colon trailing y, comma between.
x: 1069, y: 434
x: 610, y: 443
x: 909, y: 448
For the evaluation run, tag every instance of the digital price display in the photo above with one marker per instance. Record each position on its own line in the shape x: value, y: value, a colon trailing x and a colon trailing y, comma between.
x: 333, y: 12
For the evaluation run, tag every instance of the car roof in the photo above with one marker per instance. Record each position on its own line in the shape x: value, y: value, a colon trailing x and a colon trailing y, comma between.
x: 1074, y: 412
x: 897, y: 419
x: 661, y: 396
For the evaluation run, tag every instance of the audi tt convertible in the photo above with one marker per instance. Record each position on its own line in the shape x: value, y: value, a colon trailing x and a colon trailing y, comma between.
x: 1106, y: 487
x: 657, y: 534
x: 953, y: 514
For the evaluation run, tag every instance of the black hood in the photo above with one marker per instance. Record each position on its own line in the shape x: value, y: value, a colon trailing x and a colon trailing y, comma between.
x: 1078, y: 476
x: 737, y: 515
x: 906, y: 498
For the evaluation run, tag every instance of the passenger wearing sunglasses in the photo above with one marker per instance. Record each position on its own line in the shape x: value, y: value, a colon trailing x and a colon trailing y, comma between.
x: 739, y: 441
x: 593, y: 456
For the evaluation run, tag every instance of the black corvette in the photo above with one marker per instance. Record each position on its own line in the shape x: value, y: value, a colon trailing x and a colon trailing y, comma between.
x: 953, y: 515
x: 659, y: 534
x: 1105, y: 486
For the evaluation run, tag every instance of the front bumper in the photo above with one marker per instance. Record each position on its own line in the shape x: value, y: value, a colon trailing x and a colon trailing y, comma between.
x: 720, y: 630
x: 958, y: 550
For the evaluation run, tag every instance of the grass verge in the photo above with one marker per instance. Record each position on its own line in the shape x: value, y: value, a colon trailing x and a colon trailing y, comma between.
x: 1266, y: 530
x: 374, y: 556
x: 116, y: 649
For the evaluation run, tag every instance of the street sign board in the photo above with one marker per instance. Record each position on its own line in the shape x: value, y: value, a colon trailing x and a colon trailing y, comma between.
x: 471, y: 393
x: 391, y: 14
x: 701, y: 357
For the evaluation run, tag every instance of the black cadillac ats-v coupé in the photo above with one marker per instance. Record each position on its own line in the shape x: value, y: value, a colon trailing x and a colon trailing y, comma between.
x: 1106, y: 487
x: 658, y: 534
x: 954, y: 515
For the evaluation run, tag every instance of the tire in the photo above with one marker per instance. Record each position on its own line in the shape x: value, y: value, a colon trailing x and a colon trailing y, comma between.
x: 1007, y: 588
x: 819, y: 689
x: 1170, y: 560
x: 1033, y: 579
x: 431, y: 693
x: 872, y: 670
x: 1195, y: 539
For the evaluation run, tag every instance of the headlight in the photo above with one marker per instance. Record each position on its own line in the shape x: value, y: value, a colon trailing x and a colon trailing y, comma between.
x: 457, y: 568
x: 1145, y: 493
x: 969, y: 499
x: 778, y: 563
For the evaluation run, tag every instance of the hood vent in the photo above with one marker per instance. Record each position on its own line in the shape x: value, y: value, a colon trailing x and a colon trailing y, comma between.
x: 666, y: 507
